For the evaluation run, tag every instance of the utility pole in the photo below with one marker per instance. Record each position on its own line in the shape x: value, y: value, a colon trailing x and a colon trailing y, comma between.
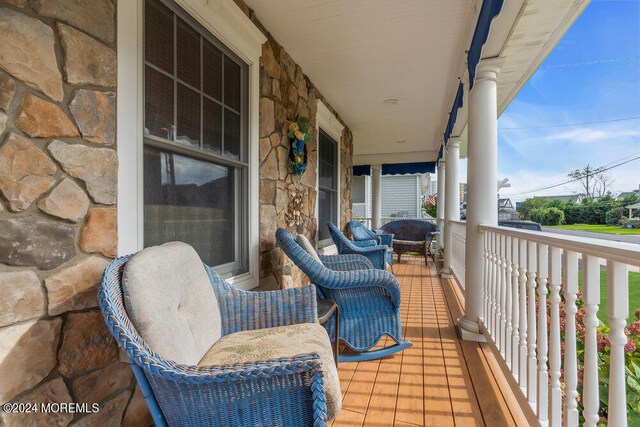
x: 587, y: 170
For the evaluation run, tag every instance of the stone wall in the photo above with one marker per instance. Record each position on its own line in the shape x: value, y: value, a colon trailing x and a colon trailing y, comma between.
x: 286, y: 95
x: 58, y: 171
x: 58, y: 184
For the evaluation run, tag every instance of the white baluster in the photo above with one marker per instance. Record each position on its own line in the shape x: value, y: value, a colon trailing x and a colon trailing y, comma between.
x: 555, y: 398
x: 591, y: 296
x: 543, y: 372
x: 532, y: 379
x: 515, y: 310
x: 617, y: 309
x: 522, y: 281
x: 570, y: 355
x: 489, y: 315
x: 502, y: 295
x: 485, y: 317
x: 494, y: 287
x: 508, y: 327
x: 485, y: 280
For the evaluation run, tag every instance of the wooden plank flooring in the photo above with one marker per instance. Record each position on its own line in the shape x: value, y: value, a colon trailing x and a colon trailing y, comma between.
x: 441, y: 380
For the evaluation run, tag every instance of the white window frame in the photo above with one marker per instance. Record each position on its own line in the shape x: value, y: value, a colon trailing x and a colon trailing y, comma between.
x: 329, y: 123
x: 225, y: 20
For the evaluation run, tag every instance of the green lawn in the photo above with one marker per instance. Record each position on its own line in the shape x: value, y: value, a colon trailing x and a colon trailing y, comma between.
x: 634, y: 295
x: 611, y: 229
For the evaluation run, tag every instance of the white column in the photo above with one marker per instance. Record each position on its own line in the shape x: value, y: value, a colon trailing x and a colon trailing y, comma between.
x: 441, y: 200
x: 376, y: 190
x: 452, y: 200
x: 482, y: 197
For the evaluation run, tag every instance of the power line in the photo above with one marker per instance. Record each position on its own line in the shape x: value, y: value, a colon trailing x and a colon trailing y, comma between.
x: 572, y: 124
x: 597, y: 171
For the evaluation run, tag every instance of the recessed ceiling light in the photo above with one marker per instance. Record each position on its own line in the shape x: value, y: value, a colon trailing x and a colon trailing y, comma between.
x: 391, y: 101
x: 402, y: 141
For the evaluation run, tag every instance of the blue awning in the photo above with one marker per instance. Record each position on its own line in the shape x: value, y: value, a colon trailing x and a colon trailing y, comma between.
x: 397, y: 168
x: 490, y: 9
x: 362, y: 170
x: 408, y: 168
x: 453, y: 114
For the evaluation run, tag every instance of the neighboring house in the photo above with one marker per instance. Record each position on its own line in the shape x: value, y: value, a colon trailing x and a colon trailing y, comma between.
x: 507, y: 214
x: 629, y: 193
x: 506, y: 211
x: 505, y: 204
x: 400, y: 196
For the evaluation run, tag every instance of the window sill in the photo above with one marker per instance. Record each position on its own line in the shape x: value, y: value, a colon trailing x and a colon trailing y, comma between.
x: 328, y: 250
x: 244, y: 281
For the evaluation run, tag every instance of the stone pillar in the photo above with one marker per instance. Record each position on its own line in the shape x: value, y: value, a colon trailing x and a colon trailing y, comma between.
x: 482, y: 175
x: 376, y: 190
x: 440, y: 200
x: 452, y: 200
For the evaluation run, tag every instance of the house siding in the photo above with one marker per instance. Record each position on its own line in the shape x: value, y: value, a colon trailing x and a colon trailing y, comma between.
x: 58, y: 180
x: 400, y: 194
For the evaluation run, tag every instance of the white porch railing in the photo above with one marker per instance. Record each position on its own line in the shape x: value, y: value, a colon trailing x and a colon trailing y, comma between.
x: 458, y: 234
x: 531, y: 287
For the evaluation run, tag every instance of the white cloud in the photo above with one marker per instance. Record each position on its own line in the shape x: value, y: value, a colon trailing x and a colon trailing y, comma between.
x: 587, y: 135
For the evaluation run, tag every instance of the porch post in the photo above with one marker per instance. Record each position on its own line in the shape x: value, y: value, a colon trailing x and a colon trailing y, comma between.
x: 440, y: 200
x: 482, y: 196
x: 452, y: 201
x: 376, y: 202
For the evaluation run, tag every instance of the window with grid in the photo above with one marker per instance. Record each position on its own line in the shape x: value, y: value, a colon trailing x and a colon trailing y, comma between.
x: 327, y: 186
x: 195, y: 139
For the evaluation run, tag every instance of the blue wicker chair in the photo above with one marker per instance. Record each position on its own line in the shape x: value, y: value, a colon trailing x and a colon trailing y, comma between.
x: 379, y: 255
x: 368, y: 299
x: 359, y: 233
x: 288, y: 391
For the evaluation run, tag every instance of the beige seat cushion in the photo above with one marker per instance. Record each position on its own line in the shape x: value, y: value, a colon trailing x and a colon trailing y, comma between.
x: 282, y: 341
x: 306, y: 245
x: 170, y: 301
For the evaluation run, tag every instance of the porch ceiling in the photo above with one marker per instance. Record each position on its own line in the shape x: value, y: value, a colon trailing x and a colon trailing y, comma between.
x: 362, y: 52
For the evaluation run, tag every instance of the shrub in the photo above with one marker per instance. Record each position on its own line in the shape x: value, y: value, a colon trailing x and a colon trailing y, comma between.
x: 615, y: 215
x: 552, y: 216
x: 536, y: 215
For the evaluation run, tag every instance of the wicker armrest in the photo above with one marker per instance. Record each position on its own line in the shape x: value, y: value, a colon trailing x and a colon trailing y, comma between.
x: 346, y: 262
x: 365, y: 243
x: 359, y: 278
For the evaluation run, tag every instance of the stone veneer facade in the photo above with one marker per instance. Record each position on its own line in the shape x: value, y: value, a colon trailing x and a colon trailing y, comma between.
x: 286, y: 95
x: 58, y: 180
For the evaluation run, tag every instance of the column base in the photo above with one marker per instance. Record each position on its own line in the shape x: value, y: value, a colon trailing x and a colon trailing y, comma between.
x: 469, y: 330
x: 446, y: 273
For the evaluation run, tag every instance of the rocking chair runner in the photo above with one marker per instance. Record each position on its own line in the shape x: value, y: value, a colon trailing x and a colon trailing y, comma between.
x: 368, y: 298
x: 189, y: 338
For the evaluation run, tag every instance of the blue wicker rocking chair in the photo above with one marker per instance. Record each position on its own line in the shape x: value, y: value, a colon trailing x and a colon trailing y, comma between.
x: 379, y: 255
x: 368, y: 298
x: 361, y: 233
x: 277, y: 392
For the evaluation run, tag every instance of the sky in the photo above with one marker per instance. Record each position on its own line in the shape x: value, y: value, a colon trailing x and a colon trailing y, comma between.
x: 591, y: 78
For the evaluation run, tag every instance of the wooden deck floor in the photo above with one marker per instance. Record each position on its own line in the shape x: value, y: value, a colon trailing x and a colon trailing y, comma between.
x: 441, y: 380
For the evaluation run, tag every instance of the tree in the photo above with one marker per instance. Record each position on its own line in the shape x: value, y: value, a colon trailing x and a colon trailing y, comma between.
x: 593, y: 181
x: 602, y: 184
x: 528, y: 205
